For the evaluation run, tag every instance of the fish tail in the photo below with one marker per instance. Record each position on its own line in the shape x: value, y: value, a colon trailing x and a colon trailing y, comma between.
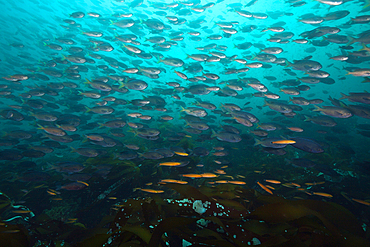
x: 121, y: 84
x: 40, y: 127
x: 364, y: 48
x: 87, y: 109
x: 266, y: 103
x: 351, y: 40
x: 366, y: 5
x: 343, y: 96
x: 316, y: 108
x: 306, y: 118
x: 257, y: 142
x: 214, y: 134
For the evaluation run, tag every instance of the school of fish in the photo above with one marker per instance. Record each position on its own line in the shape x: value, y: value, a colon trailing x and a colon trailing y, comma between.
x: 135, y: 79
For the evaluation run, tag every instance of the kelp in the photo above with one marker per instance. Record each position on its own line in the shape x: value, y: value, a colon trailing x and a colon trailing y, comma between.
x: 229, y: 216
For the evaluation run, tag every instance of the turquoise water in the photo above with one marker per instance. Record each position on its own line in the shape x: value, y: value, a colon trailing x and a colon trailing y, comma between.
x: 109, y: 107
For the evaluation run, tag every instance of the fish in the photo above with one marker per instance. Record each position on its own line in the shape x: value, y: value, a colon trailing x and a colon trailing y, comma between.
x: 272, y: 181
x: 265, y: 188
x: 124, y: 92
x: 152, y: 191
x: 322, y: 194
x: 283, y: 142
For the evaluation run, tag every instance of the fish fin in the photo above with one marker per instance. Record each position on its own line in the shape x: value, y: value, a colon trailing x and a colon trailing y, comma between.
x: 307, y: 118
x: 87, y: 81
x: 343, y: 96
x: 257, y: 142
x: 342, y: 104
x: 214, y: 134
x: 317, y: 108
x: 351, y: 40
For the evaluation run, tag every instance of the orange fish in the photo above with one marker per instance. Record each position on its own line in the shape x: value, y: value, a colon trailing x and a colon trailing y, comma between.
x: 221, y: 172
x: 265, y: 188
x: 297, y: 185
x: 361, y: 201
x: 283, y: 142
x: 190, y: 175
x: 170, y: 163
x: 322, y: 194
x: 209, y: 175
x: 237, y: 182
x: 272, y: 181
x: 182, y: 154
x: 270, y: 187
x: 315, y: 183
x: 221, y: 182
x: 51, y: 193
x: 82, y: 182
x: 152, y: 191
x: 173, y: 181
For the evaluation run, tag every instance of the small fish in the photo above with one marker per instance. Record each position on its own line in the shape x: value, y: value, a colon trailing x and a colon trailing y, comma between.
x: 270, y: 187
x: 181, y: 153
x: 208, y: 175
x: 315, y: 183
x: 170, y: 163
x: 361, y: 201
x: 22, y: 211
x: 191, y: 175
x: 265, y: 188
x: 11, y: 231
x: 237, y: 182
x: 272, y: 181
x: 322, y: 194
x: 283, y: 142
x: 152, y: 191
x: 173, y: 181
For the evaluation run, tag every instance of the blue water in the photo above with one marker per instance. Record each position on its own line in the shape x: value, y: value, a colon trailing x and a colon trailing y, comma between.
x: 76, y: 179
